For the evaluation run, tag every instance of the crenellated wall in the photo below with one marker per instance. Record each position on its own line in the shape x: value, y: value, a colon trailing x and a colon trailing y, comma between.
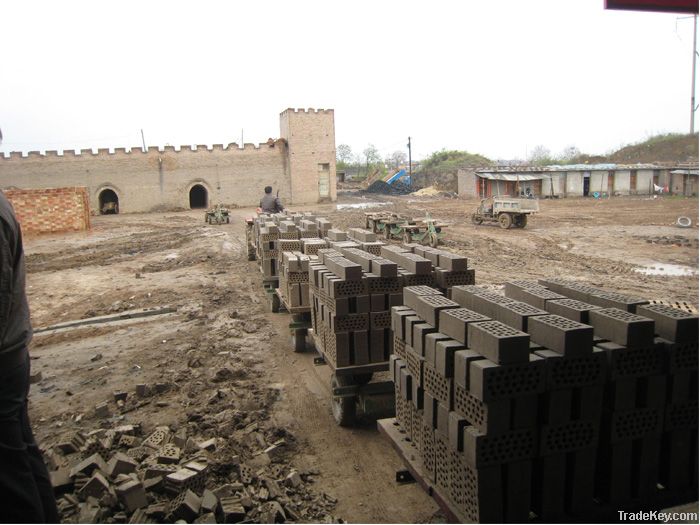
x: 161, y: 178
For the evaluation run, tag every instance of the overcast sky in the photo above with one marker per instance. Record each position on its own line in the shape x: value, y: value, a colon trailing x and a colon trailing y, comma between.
x: 489, y: 77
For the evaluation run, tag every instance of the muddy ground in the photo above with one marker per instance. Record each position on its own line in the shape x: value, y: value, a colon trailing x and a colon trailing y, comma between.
x: 227, y: 362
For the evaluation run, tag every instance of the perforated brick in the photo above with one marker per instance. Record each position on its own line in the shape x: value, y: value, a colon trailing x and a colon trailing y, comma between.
x: 538, y: 297
x: 445, y: 356
x: 462, y: 359
x: 681, y: 416
x: 428, y: 448
x: 411, y: 279
x: 622, y: 327
x: 483, y: 450
x: 442, y: 462
x: 635, y: 424
x: 567, y: 337
x: 489, y: 418
x: 420, y: 331
x: 343, y: 268
x: 574, y: 372
x: 499, y: 342
x: 384, y: 267
x: 349, y: 323
x: 616, y: 300
x: 397, y: 322
x: 488, y: 303
x: 489, y: 381
x: 411, y: 293
x: 340, y: 288
x: 516, y: 314
x: 448, y: 280
x: 430, y: 344
x: 555, y: 284
x: 680, y: 356
x: 414, y: 363
x: 571, y: 309
x: 633, y: 362
x: 568, y: 437
x: 671, y: 323
x: 463, y: 294
x: 428, y: 307
x: 454, y: 322
x: 437, y: 385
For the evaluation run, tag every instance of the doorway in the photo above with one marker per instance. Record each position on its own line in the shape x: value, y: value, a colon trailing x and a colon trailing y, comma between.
x: 198, y: 197
x: 586, y: 184
x: 109, y: 202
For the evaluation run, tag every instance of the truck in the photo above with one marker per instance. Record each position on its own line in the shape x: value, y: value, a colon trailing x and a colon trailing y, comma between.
x: 506, y: 211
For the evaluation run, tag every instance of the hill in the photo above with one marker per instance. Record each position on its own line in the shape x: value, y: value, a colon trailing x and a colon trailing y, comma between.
x: 671, y: 147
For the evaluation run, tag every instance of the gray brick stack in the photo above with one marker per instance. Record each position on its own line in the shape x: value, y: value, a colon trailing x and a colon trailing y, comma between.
x: 294, y: 277
x: 541, y: 402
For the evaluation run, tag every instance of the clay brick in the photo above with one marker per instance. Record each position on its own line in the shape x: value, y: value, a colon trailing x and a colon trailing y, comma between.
x: 429, y: 410
x: 420, y: 331
x: 377, y: 346
x: 463, y: 294
x: 454, y: 322
x: 483, y: 450
x: 489, y: 418
x: 132, y: 495
x: 445, y: 356
x: 499, y: 343
x: 443, y: 415
x: 360, y: 348
x: 549, y: 487
x: 412, y: 293
x: 634, y: 424
x: 622, y: 327
x: 615, y: 300
x: 633, y: 362
x: 516, y: 314
x: 518, y: 491
x: 413, y: 263
x: 431, y: 340
x: 513, y: 289
x: 538, y: 297
x: 462, y: 359
x: 455, y: 430
x: 417, y: 397
x: 439, y: 387
x: 405, y: 384
x: 523, y: 411
x: 567, y: 337
x: 397, y: 322
x: 384, y: 268
x: 489, y: 381
x: 488, y: 303
x: 571, y: 309
x: 391, y: 252
x: 567, y: 437
x: 451, y: 262
x: 671, y: 323
x: 410, y: 321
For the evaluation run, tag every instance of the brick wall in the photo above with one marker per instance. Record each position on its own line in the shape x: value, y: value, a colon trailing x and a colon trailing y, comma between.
x: 51, y: 210
x: 161, y: 178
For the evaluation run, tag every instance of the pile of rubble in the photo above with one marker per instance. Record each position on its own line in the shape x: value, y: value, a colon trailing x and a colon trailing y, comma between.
x: 121, y: 474
x: 395, y: 188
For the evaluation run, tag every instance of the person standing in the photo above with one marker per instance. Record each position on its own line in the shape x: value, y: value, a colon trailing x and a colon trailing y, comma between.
x: 270, y: 204
x: 25, y: 486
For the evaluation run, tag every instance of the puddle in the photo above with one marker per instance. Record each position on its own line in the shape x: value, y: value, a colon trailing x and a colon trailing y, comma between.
x: 360, y: 205
x: 671, y: 270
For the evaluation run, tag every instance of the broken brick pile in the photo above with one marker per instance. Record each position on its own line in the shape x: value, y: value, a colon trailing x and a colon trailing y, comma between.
x: 118, y: 474
x: 538, y: 402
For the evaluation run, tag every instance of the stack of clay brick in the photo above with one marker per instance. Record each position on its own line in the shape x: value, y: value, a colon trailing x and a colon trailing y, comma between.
x: 281, y: 232
x: 537, y: 402
x: 294, y: 275
x: 649, y: 429
x: 351, y: 293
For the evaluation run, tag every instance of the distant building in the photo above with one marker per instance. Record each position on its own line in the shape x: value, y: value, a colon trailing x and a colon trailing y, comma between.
x: 579, y: 180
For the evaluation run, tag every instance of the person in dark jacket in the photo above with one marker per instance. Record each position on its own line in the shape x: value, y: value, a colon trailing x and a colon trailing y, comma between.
x: 270, y: 204
x: 25, y: 486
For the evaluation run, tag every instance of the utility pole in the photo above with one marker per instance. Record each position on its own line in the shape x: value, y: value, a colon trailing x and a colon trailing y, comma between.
x: 242, y: 143
x: 143, y: 141
x: 693, y: 107
x: 410, y: 167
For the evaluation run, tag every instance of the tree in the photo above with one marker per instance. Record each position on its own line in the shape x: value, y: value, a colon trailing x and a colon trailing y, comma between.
x: 540, y: 156
x: 344, y: 155
x: 569, y: 154
x: 396, y: 159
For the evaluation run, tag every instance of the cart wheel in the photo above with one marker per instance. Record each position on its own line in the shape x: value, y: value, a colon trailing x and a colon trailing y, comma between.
x: 387, y: 232
x: 505, y: 220
x: 299, y: 340
x: 434, y: 240
x: 407, y: 237
x: 522, y: 221
x: 343, y: 407
x: 274, y: 303
x: 362, y: 379
x: 476, y: 219
x: 228, y: 220
x: 251, y: 255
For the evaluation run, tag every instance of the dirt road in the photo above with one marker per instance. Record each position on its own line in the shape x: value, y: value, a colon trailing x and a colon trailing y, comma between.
x: 227, y: 364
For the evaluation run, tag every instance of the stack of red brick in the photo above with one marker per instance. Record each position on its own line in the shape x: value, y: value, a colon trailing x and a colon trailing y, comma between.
x: 538, y: 402
x: 51, y: 210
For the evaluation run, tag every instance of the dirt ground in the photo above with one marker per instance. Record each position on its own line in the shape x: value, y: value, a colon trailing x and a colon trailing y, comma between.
x: 226, y: 360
